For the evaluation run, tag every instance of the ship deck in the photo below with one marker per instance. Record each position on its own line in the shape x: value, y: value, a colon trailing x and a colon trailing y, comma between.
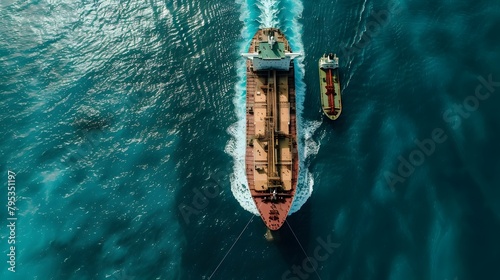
x: 271, y: 122
x: 325, y: 106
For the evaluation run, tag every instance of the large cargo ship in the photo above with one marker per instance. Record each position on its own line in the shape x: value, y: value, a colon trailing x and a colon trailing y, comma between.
x: 271, y: 159
x: 329, y: 82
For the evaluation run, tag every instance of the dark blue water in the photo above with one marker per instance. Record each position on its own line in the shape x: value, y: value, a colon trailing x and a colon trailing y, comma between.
x: 123, y: 122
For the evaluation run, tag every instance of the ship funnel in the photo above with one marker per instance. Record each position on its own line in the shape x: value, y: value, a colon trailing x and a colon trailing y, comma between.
x: 271, y: 40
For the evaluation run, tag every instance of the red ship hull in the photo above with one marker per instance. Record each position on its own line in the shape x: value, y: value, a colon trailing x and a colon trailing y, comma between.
x: 271, y: 122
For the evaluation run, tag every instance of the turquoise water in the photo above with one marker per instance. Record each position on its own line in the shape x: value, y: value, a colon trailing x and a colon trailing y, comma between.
x: 123, y: 122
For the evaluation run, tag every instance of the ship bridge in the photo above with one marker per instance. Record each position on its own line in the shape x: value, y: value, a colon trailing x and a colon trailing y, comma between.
x: 271, y: 55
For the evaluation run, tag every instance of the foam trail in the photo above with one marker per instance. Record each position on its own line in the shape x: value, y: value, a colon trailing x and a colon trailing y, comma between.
x: 269, y: 16
x: 268, y: 13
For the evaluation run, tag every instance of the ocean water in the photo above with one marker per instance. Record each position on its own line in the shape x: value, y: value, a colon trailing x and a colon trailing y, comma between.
x: 123, y: 136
